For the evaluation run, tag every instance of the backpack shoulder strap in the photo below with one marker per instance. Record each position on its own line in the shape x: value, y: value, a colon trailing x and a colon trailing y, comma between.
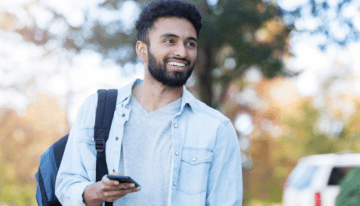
x: 104, y: 115
x: 58, y: 149
x: 46, y: 176
x: 41, y: 185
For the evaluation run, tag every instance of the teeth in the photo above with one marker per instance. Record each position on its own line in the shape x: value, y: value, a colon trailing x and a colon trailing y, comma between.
x: 177, y: 64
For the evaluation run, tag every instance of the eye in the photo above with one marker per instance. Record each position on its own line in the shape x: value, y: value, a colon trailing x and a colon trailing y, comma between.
x: 169, y: 41
x: 192, y: 44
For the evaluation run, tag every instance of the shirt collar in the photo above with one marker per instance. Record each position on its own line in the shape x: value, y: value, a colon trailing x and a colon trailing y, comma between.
x: 187, y: 99
x: 125, y: 95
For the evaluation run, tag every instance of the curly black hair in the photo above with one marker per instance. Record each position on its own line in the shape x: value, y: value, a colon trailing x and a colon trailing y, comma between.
x: 166, y: 8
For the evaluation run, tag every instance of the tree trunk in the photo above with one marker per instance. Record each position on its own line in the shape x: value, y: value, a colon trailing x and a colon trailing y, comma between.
x: 205, y: 65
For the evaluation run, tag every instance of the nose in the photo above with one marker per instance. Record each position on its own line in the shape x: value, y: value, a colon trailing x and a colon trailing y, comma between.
x: 180, y: 51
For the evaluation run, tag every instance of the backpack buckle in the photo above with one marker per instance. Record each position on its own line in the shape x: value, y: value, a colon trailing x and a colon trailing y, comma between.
x: 100, y: 145
x: 100, y: 140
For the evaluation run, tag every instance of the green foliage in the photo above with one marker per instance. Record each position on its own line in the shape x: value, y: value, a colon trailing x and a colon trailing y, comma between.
x: 305, y: 134
x: 268, y: 190
x: 239, y: 21
x: 13, y: 191
x: 255, y: 202
x: 18, y: 194
x: 250, y: 32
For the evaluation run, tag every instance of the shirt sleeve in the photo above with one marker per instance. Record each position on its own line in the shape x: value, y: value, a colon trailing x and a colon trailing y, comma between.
x: 72, y: 177
x: 225, y: 178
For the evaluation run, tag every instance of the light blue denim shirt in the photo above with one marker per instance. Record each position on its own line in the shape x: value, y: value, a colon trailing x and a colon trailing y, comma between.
x: 205, y: 167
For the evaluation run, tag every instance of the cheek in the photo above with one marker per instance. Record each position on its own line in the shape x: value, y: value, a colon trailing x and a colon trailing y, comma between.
x: 194, y: 56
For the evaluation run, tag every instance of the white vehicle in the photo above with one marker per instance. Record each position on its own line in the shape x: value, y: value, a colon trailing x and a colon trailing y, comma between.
x: 315, y: 179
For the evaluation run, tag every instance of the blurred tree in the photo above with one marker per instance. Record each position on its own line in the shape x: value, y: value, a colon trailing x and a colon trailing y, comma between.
x: 22, y: 141
x: 329, y: 21
x: 291, y: 127
x: 236, y: 36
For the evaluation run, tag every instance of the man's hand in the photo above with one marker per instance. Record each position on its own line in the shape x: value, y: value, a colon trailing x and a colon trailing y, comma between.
x: 107, y: 190
x: 112, y: 190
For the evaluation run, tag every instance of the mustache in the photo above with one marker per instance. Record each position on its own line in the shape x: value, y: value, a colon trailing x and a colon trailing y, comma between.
x: 181, y: 59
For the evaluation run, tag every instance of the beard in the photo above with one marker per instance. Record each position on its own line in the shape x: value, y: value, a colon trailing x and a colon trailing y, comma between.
x: 159, y: 72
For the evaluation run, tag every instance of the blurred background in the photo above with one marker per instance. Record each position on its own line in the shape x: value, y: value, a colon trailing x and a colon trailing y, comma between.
x: 286, y: 72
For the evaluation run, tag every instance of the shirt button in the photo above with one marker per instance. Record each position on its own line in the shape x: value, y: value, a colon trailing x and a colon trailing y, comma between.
x: 116, y: 138
x: 176, y: 126
x: 194, y: 159
x: 176, y: 153
x: 174, y: 183
x: 123, y: 115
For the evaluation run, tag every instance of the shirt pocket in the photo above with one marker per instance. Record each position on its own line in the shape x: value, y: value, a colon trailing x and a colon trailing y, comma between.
x: 88, y: 150
x: 194, y: 170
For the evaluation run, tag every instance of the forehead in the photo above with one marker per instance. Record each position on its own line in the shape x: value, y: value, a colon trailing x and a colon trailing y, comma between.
x: 174, y: 25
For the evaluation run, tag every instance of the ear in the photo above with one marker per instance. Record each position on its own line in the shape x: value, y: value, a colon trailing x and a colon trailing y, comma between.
x: 142, y: 51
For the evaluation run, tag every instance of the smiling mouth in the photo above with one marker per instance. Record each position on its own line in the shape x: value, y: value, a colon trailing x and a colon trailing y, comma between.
x: 176, y: 64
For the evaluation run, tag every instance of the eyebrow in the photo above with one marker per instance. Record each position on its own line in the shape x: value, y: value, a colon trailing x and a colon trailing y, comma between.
x: 176, y: 36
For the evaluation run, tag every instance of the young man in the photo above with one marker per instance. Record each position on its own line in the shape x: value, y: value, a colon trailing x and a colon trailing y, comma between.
x: 179, y: 150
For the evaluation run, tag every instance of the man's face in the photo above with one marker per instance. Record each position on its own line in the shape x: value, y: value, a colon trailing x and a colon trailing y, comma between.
x: 172, y: 51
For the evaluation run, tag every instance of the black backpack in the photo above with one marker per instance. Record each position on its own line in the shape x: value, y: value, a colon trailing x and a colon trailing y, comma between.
x: 51, y: 159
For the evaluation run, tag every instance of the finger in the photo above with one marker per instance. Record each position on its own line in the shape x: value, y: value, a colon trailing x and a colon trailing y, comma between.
x: 109, y: 185
x: 104, y: 178
x: 109, y: 182
x: 136, y: 189
x: 121, y: 186
x: 131, y: 190
x: 114, y: 194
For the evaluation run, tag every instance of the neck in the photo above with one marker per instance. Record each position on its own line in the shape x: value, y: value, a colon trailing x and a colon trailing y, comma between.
x: 153, y: 95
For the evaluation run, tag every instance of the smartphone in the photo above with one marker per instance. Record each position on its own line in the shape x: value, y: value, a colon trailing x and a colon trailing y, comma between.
x: 123, y: 179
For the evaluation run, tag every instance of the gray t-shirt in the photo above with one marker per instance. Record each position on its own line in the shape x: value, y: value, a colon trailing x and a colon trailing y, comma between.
x: 146, y: 153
